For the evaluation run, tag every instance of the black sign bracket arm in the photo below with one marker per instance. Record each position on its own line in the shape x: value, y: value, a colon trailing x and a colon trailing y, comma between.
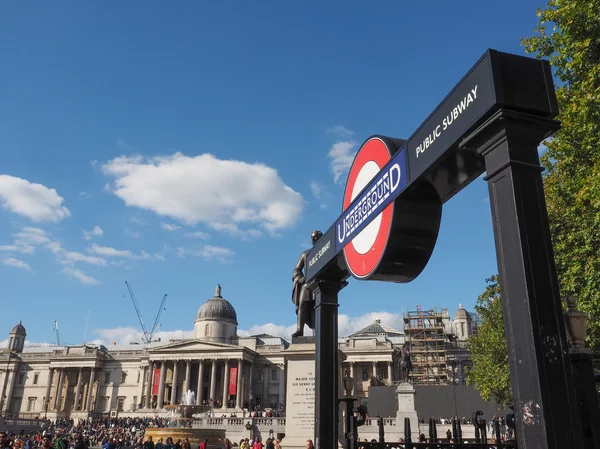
x: 538, y: 355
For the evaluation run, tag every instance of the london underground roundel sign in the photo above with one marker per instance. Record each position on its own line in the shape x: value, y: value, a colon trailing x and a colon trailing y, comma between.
x: 365, y: 251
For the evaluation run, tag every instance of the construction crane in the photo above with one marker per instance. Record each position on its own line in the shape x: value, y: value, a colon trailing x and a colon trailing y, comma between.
x: 157, y: 319
x: 147, y: 336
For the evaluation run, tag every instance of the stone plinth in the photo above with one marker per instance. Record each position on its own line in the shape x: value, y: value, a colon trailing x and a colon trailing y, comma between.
x: 406, y: 408
x: 300, y: 393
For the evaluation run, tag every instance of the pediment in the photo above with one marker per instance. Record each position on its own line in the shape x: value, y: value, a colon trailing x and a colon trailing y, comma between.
x: 190, y: 346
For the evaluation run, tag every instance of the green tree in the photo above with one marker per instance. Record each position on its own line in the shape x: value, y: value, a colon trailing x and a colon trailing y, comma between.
x: 490, y: 373
x: 568, y: 34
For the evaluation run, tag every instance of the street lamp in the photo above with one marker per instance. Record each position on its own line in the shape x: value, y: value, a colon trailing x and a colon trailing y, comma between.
x: 348, y: 400
x: 453, y: 364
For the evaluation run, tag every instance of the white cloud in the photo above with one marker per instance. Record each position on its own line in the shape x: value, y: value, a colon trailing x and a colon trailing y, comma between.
x: 107, y: 251
x: 169, y: 227
x: 341, y: 156
x: 80, y: 276
x: 12, y: 262
x: 35, y: 201
x: 232, y: 229
x: 277, y: 330
x: 74, y: 256
x: 198, y: 235
x: 137, y: 220
x: 208, y: 252
x: 340, y: 131
x: 347, y: 325
x: 96, y: 232
x: 316, y: 188
x: 135, y: 235
x: 125, y: 335
x: 206, y: 189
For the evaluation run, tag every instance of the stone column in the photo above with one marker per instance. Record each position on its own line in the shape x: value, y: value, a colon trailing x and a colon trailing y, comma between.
x: 250, y: 392
x: 213, y: 382
x: 389, y: 372
x: 9, y: 388
x: 375, y: 370
x: 265, y: 392
x: 238, y: 393
x: 148, y: 401
x: 57, y: 399
x: 352, y: 376
x: 78, y: 388
x: 225, y: 383
x: 161, y: 386
x: 281, y: 377
x: 90, y: 391
x: 141, y: 394
x: 200, y: 387
x: 48, y: 390
x: 188, y: 373
x: 174, y: 385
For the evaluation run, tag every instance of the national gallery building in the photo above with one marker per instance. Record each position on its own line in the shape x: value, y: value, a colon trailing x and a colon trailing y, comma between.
x: 228, y: 372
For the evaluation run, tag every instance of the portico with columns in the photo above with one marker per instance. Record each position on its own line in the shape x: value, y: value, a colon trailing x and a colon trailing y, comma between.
x: 140, y: 379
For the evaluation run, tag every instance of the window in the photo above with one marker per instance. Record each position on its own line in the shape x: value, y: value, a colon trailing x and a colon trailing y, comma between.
x: 462, y: 329
x: 21, y: 380
x: 106, y: 378
x: 274, y: 374
x: 31, y: 404
x: 35, y: 379
x: 134, y: 404
x: 383, y: 374
x: 123, y: 377
x: 365, y: 374
x: 207, y: 330
x: 120, y: 403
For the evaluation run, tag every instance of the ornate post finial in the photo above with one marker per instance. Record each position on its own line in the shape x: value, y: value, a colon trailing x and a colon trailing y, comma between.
x: 218, y: 291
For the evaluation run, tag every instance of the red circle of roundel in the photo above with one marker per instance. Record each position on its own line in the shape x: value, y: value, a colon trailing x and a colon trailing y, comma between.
x: 363, y: 265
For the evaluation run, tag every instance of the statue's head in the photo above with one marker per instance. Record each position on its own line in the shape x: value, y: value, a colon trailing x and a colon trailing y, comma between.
x: 315, y: 236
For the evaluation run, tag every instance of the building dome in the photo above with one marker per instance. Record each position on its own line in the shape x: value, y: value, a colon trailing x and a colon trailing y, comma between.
x: 18, y: 329
x: 217, y: 309
x: 216, y: 320
x: 462, y: 314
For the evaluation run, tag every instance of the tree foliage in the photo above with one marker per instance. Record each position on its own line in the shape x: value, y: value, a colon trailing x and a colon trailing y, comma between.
x: 568, y: 34
x: 490, y: 373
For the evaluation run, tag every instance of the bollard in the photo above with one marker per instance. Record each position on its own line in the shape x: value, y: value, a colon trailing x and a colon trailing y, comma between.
x: 407, y: 438
x: 431, y: 427
x: 381, y: 430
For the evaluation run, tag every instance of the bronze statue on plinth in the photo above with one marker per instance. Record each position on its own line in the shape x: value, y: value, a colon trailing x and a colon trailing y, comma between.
x: 301, y: 296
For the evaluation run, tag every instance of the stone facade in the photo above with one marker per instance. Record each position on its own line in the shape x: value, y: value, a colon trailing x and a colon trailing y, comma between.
x: 224, y: 370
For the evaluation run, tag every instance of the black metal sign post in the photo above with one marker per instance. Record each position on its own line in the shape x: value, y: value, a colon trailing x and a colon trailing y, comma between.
x: 493, y: 120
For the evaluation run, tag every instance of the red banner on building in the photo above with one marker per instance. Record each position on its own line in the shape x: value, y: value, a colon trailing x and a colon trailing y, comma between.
x: 233, y: 381
x: 156, y: 381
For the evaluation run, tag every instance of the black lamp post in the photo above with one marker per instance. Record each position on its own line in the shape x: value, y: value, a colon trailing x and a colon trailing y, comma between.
x: 453, y: 364
x: 348, y: 400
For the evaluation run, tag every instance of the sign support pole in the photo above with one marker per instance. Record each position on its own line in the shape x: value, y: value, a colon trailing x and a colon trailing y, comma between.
x: 546, y: 413
x: 326, y: 363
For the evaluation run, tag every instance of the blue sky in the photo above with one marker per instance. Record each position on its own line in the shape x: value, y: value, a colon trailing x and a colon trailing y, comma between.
x: 177, y: 147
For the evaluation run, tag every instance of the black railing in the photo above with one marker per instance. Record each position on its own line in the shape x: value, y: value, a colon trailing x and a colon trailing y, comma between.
x: 421, y: 441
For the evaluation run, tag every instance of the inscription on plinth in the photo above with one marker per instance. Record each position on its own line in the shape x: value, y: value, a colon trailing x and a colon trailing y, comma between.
x: 302, y: 397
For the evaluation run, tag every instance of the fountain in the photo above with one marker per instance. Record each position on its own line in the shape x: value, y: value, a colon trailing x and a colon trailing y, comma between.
x: 180, y: 422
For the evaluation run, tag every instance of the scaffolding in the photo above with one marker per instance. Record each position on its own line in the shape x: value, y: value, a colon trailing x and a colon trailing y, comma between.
x: 425, y: 337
